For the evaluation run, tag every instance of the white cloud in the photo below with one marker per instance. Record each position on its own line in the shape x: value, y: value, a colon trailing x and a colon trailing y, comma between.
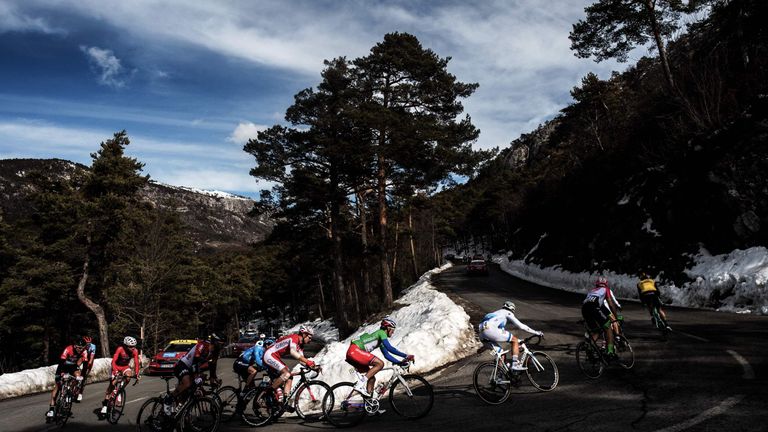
x: 12, y: 20
x: 111, y: 72
x: 245, y: 131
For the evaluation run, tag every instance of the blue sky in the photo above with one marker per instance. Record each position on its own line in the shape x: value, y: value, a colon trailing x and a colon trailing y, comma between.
x: 191, y: 81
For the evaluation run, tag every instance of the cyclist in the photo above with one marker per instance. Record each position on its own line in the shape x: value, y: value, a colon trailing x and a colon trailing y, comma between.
x: 359, y: 354
x: 251, y: 361
x: 70, y: 362
x: 648, y: 293
x: 207, y: 350
x: 289, y: 344
x: 598, y: 310
x: 492, y: 330
x: 121, y: 364
x: 90, y: 348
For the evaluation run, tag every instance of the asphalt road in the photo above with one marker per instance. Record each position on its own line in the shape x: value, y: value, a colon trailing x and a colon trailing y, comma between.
x: 710, y: 375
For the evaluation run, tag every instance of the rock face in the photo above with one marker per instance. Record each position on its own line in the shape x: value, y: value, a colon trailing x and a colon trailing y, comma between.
x: 216, y: 220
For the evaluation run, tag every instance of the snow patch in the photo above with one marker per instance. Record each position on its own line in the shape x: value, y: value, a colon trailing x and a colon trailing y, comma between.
x: 430, y: 326
x: 733, y: 282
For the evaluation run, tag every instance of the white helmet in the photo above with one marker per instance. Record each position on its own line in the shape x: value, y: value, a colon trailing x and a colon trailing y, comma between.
x: 129, y: 341
x: 306, y: 330
x: 508, y: 305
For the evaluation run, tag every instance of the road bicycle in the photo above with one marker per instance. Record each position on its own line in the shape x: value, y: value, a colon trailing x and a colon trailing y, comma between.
x: 593, y: 359
x: 234, y: 400
x: 305, y: 399
x: 62, y: 407
x: 493, y: 381
x: 198, y: 413
x: 116, y: 399
x: 410, y: 396
x: 659, y: 323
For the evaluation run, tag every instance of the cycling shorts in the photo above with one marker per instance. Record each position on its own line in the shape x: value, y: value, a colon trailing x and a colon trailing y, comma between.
x: 69, y: 368
x: 181, y: 369
x: 274, y: 363
x: 118, y: 369
x: 241, y: 369
x: 359, y: 358
x: 651, y: 299
x: 595, y: 316
x: 495, y: 334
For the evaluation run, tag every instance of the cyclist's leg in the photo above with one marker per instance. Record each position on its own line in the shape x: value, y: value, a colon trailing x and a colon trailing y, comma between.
x: 366, y: 364
x: 252, y: 371
x: 278, y: 368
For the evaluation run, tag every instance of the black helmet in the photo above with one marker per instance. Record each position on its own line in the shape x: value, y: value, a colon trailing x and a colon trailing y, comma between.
x: 215, y: 338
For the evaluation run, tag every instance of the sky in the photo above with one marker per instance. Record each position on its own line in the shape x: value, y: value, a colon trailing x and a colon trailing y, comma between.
x: 191, y: 82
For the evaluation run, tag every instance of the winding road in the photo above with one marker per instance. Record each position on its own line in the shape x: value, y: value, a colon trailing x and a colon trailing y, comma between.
x: 709, y: 375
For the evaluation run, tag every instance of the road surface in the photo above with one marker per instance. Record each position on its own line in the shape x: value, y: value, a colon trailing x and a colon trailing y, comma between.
x: 709, y: 376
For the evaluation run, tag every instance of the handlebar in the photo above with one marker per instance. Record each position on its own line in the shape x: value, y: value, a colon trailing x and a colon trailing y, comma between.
x: 530, y: 338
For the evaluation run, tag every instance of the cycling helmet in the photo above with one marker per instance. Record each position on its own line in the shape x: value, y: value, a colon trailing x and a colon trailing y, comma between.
x: 644, y: 275
x: 306, y: 330
x: 129, y: 341
x: 262, y: 336
x: 215, y: 338
x: 78, y: 341
x: 601, y: 282
x: 509, y: 305
x: 268, y: 342
x: 259, y: 343
x: 388, y: 322
x: 87, y: 339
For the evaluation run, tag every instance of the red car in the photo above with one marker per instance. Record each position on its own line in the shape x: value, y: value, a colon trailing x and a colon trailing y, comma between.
x: 477, y: 266
x: 163, y: 362
x: 241, y: 345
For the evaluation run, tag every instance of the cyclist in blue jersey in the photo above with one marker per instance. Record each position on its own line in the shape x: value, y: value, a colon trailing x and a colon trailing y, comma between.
x: 90, y: 349
x: 251, y: 361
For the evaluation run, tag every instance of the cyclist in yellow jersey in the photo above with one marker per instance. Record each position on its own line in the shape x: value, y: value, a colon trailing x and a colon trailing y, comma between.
x: 648, y: 294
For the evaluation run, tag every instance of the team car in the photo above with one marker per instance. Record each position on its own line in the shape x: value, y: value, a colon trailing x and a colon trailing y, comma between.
x: 162, y: 363
x: 477, y: 266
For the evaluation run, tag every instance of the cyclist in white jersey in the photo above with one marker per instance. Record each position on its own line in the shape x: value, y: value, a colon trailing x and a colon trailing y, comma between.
x: 599, y: 310
x: 492, y: 329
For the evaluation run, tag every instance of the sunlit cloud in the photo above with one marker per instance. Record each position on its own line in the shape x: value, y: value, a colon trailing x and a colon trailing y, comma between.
x: 245, y: 131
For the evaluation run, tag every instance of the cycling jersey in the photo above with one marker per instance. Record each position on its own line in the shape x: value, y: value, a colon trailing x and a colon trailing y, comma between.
x: 253, y: 355
x: 198, y: 355
x: 368, y: 342
x: 71, y: 357
x: 122, y: 358
x: 288, y: 344
x: 499, y: 320
x: 646, y: 286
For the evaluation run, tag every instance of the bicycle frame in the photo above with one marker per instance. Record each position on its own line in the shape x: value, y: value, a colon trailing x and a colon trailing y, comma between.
x: 397, y: 373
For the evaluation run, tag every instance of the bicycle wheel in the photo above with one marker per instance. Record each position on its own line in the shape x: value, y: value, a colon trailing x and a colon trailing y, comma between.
x: 491, y: 384
x: 262, y: 409
x: 116, y: 406
x: 64, y: 408
x: 151, y: 417
x: 624, y: 353
x: 201, y: 415
x: 229, y: 397
x: 542, y: 371
x: 309, y: 400
x: 411, y: 396
x: 343, y: 405
x: 589, y: 360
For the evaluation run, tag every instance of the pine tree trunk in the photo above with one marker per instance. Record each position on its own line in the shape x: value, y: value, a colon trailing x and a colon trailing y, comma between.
x: 367, y: 293
x: 386, y: 277
x: 101, y: 317
x: 412, y: 244
x: 322, y: 297
x: 649, y: 4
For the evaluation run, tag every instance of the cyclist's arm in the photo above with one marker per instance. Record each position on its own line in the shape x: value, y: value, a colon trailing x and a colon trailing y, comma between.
x: 513, y: 319
x: 384, y: 350
x: 136, y: 363
x: 297, y: 353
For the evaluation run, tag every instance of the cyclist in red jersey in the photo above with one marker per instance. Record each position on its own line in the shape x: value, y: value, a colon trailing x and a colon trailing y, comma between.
x: 121, y: 363
x: 289, y: 344
x: 69, y: 363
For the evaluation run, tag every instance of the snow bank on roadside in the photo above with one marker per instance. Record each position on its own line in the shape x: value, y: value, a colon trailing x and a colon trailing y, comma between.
x: 325, y: 331
x: 429, y: 325
x: 42, y: 379
x: 734, y: 282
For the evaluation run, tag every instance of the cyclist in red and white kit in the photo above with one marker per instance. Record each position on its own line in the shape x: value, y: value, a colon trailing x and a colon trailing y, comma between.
x: 289, y: 344
x: 121, y: 363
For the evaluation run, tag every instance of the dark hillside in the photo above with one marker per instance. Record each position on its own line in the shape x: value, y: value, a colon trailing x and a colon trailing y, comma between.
x: 635, y: 175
